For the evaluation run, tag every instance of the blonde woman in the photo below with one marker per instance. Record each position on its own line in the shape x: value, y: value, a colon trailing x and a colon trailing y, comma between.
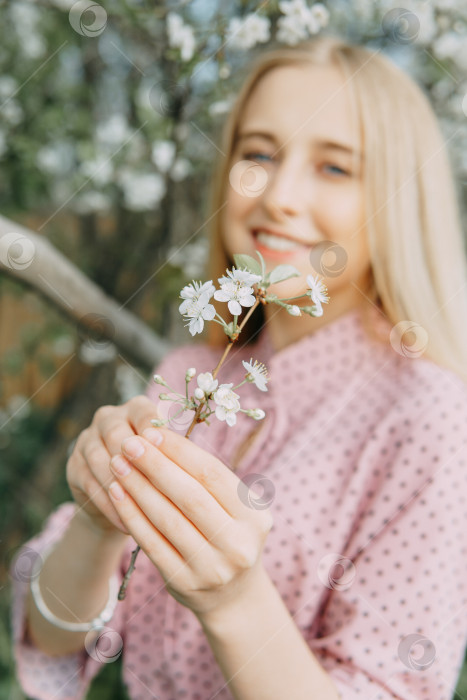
x: 346, y: 577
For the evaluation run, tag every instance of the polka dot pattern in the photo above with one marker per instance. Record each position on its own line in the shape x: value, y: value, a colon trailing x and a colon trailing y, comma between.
x: 366, y: 452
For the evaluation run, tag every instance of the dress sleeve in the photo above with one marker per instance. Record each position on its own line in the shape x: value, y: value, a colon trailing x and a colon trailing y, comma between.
x: 41, y: 676
x: 394, y: 623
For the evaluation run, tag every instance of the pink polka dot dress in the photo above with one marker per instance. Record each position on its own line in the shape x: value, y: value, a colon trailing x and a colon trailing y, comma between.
x: 362, y: 458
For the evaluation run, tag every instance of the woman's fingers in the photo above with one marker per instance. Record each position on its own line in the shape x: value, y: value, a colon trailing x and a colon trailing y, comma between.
x: 178, y: 506
x: 206, y: 469
x: 92, y: 496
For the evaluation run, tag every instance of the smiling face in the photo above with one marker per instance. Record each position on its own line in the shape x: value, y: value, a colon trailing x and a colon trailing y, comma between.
x: 306, y: 190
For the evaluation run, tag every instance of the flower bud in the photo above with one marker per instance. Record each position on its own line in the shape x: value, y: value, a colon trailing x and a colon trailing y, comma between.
x: 158, y: 379
x: 199, y: 393
x: 294, y: 310
x: 256, y: 413
x: 190, y: 373
x: 164, y: 397
x: 158, y: 423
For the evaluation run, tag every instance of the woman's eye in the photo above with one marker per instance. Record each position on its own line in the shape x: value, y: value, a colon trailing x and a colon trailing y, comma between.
x: 336, y: 170
x: 256, y: 155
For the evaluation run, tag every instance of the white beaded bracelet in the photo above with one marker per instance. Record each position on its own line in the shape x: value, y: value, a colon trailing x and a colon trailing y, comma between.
x: 96, y: 624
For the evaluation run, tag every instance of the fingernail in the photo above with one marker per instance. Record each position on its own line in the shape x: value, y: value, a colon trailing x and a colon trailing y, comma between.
x: 133, y: 447
x: 120, y: 466
x: 152, y: 435
x: 116, y: 491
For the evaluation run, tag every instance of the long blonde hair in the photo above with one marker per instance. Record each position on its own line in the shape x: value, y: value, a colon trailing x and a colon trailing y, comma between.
x: 413, y: 221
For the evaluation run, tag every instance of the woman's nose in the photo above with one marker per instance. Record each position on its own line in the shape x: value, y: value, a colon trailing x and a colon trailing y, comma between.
x: 288, y: 190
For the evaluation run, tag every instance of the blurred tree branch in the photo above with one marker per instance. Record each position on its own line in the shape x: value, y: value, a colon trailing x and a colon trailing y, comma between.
x: 34, y: 261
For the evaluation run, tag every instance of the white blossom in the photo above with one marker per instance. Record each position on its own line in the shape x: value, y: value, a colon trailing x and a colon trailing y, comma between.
x: 246, y: 32
x: 90, y: 202
x: 12, y: 112
x: 219, y: 107
x: 8, y: 85
x: 194, y: 290
x: 56, y: 158
x: 206, y: 382
x: 181, y: 36
x: 99, y: 170
x: 256, y: 373
x: 318, y: 293
x: 236, y: 290
x: 190, y: 373
x: 113, y: 132
x: 141, y: 191
x: 299, y: 20
x: 163, y: 154
x: 227, y: 404
x: 196, y: 307
x: 199, y: 393
x: 181, y: 169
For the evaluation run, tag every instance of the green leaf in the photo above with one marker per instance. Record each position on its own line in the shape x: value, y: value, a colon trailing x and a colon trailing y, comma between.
x: 263, y: 264
x: 283, y: 272
x: 246, y: 261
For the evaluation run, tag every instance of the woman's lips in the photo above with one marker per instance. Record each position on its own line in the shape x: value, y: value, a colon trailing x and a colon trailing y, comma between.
x: 277, y: 254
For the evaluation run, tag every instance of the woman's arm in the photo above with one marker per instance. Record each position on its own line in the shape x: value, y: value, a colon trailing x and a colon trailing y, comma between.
x: 74, y: 583
x: 261, y: 651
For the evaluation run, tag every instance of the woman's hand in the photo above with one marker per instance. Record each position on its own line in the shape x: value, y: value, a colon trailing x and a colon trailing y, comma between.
x: 182, y: 506
x: 87, y: 470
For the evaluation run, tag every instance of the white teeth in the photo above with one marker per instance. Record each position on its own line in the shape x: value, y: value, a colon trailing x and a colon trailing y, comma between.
x: 276, y: 242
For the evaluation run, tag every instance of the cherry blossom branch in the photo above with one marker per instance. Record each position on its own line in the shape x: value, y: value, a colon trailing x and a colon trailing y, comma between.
x: 237, y: 290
